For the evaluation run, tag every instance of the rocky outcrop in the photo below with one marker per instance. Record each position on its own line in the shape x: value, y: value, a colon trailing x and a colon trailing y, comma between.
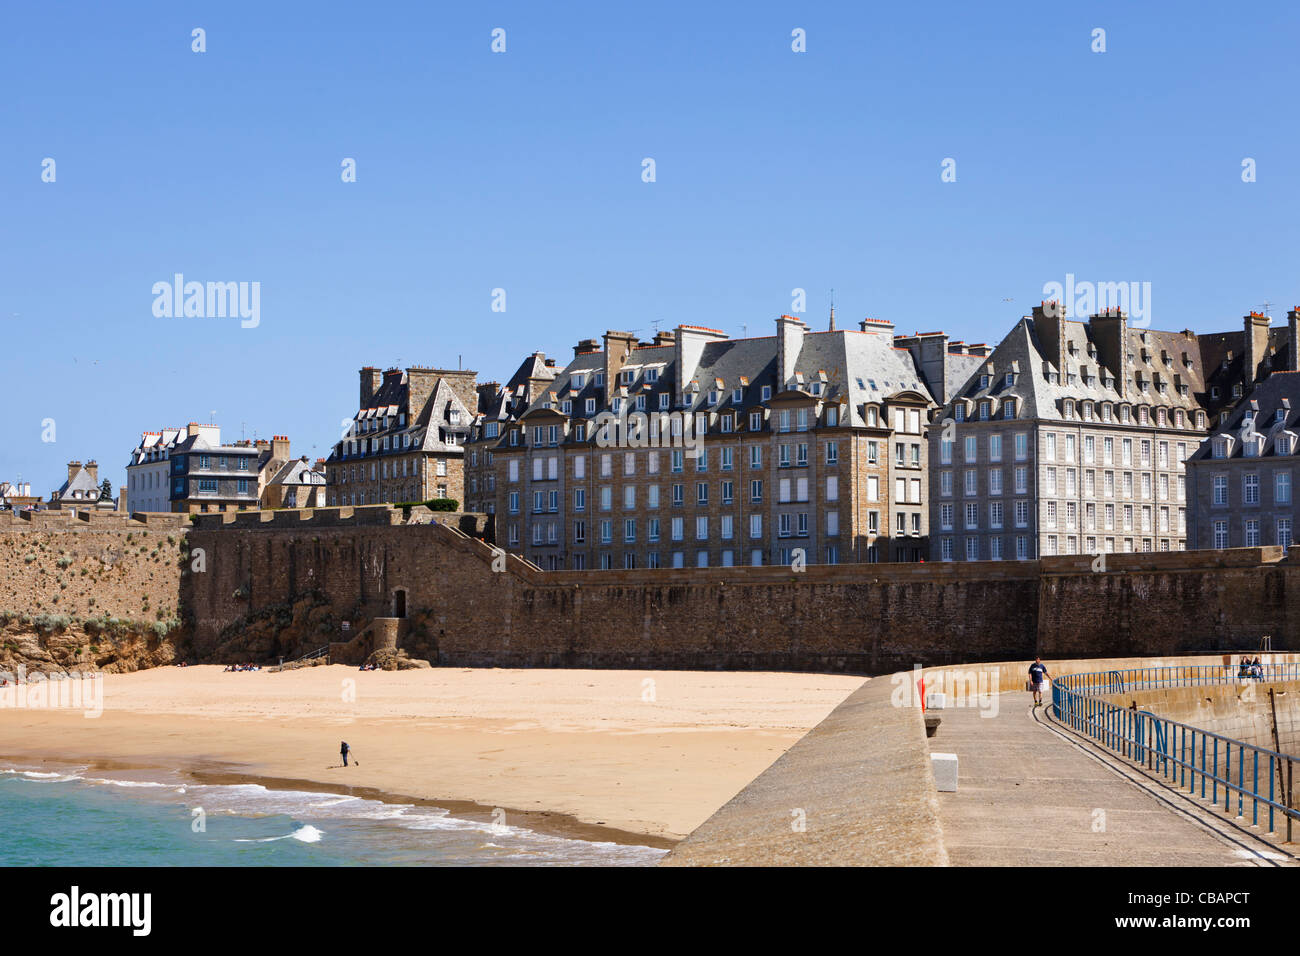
x: 50, y: 644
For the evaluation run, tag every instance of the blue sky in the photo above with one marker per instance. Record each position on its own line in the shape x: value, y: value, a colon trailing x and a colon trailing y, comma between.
x: 775, y: 170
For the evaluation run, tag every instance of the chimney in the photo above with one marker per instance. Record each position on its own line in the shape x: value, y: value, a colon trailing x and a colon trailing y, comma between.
x: 487, y: 393
x: 1110, y: 335
x: 929, y: 353
x: 688, y: 349
x: 664, y: 338
x: 92, y: 467
x: 371, y: 378
x: 876, y: 325
x: 73, y: 468
x: 280, y: 447
x: 1293, y: 340
x: 586, y: 347
x: 618, y: 346
x: 1049, y: 327
x: 789, y: 340
x: 1256, y: 340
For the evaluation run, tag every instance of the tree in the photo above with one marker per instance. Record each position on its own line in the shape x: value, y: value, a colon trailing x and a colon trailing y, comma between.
x: 106, y: 489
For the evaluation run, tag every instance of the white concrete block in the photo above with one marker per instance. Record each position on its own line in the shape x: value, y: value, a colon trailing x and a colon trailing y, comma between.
x: 936, y: 701
x: 945, y: 772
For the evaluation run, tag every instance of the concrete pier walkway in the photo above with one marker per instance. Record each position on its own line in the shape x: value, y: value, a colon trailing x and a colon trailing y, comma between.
x: 1031, y: 793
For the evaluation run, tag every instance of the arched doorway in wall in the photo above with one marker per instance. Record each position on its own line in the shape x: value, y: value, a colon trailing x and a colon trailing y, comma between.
x: 399, y: 602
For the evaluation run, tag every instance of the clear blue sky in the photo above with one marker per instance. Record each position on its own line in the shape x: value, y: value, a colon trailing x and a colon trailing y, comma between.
x: 522, y: 171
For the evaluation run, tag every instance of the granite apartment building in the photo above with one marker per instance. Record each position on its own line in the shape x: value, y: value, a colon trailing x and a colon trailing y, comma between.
x: 1241, y: 482
x: 696, y: 450
x: 1074, y: 437
x: 406, y: 440
x: 1069, y: 438
x: 499, y: 407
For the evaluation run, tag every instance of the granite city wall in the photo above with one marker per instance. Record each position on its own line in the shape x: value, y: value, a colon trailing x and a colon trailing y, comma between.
x: 472, y: 606
x: 264, y: 585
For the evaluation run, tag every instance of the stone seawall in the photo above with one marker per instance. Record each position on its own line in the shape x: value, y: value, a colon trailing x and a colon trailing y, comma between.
x: 265, y: 585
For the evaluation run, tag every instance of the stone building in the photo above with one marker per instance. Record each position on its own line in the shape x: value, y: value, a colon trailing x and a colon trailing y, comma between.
x: 81, y: 490
x: 407, y: 440
x: 1072, y: 437
x: 1241, y: 491
x: 697, y: 450
x: 296, y: 484
x: 498, y: 407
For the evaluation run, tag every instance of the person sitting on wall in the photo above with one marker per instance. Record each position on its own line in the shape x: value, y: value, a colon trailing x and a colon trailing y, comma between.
x: 1243, y: 669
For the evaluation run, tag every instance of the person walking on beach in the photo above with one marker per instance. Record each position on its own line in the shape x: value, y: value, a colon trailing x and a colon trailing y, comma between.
x: 343, y: 749
x: 1037, y: 675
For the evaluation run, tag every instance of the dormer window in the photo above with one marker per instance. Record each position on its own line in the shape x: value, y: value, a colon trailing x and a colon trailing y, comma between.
x: 959, y: 412
x: 984, y: 381
x: 1009, y: 408
x: 1068, y: 408
x: 1009, y: 379
x: 1282, y: 446
x: 1221, y: 448
x: 816, y: 388
x: 832, y: 416
x: 1280, y: 415
x: 600, y: 379
x: 627, y: 376
x: 652, y: 375
x: 767, y: 393
x: 737, y: 395
x: 714, y: 394
x: 579, y: 381
x: 1236, y: 390
x: 984, y: 411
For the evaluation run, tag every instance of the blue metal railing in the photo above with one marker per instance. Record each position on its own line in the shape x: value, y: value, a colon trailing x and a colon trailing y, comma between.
x: 1259, y: 778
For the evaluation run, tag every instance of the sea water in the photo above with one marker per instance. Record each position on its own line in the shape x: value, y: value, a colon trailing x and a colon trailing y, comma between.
x: 77, y: 818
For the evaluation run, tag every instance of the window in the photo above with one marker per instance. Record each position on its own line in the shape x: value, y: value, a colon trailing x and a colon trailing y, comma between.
x: 1220, y: 490
x: 1250, y: 489
x: 1282, y: 488
x: 1221, y: 534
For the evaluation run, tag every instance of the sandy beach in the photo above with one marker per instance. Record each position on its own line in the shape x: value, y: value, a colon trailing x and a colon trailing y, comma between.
x: 635, y: 756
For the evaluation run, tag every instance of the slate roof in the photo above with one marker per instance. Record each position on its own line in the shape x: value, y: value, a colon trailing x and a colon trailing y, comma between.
x: 1280, y: 392
x: 1171, y: 359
